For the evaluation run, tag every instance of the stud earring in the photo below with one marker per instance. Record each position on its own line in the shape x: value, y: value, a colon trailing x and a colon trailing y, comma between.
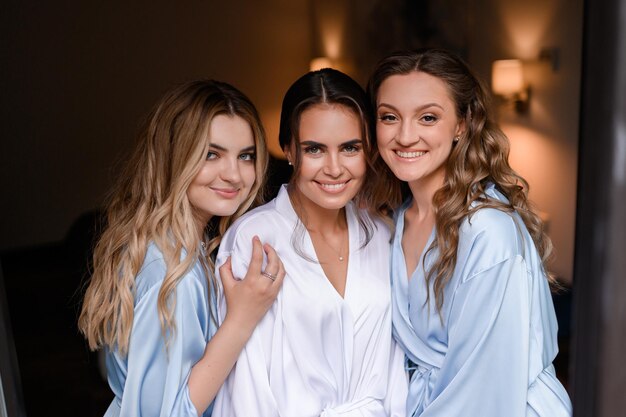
x: 456, y: 139
x: 289, y: 162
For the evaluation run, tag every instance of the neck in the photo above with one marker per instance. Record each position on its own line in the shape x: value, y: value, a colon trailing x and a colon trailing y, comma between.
x: 315, y: 218
x: 423, y: 192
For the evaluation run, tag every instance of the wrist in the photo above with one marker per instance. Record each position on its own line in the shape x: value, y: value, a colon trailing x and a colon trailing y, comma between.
x: 240, y: 329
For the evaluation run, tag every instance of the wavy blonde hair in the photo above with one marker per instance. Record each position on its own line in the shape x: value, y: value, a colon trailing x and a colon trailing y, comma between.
x: 478, y: 158
x: 150, y: 204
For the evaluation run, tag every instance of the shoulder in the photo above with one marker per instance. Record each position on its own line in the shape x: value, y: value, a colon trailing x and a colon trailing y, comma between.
x: 488, y: 237
x: 260, y: 221
x: 497, y: 226
x: 493, y: 225
x: 153, y: 271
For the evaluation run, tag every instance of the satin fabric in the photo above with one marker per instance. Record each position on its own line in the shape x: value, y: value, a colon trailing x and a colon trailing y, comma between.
x: 490, y: 351
x: 150, y: 380
x: 315, y: 353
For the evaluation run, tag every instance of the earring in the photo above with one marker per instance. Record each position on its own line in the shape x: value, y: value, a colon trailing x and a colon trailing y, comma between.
x: 456, y: 139
x: 289, y: 162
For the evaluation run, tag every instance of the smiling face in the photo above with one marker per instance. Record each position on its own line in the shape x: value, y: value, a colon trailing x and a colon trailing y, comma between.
x: 332, y: 166
x: 416, y: 123
x: 228, y: 173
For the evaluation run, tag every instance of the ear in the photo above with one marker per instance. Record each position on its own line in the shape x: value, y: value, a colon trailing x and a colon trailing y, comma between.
x: 460, y: 128
x: 288, y: 154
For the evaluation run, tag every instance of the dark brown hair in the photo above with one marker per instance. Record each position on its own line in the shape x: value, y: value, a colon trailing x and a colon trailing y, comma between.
x: 329, y: 86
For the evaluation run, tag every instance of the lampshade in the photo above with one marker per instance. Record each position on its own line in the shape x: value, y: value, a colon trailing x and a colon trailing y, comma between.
x: 507, y: 77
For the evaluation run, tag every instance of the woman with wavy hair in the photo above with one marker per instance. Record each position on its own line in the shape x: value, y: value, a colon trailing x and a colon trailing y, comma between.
x: 471, y: 296
x: 151, y: 301
x: 325, y: 346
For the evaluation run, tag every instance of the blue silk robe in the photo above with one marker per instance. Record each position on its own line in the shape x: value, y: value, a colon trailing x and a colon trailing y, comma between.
x: 151, y: 381
x: 490, y: 352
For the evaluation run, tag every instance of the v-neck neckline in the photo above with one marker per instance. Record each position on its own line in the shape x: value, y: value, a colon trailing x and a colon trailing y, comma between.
x: 408, y: 278
x: 284, y: 206
x: 352, y: 232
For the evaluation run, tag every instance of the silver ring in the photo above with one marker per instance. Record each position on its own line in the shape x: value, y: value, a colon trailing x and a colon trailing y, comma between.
x: 270, y: 276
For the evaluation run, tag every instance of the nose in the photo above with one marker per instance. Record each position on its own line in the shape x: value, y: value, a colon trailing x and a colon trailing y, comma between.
x: 408, y: 134
x: 230, y: 170
x: 332, y: 165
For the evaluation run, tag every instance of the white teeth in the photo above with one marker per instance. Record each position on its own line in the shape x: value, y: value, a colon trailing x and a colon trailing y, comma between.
x: 333, y: 186
x: 409, y: 154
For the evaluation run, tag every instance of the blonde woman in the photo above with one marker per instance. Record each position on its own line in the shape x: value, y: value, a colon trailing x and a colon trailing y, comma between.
x: 151, y: 299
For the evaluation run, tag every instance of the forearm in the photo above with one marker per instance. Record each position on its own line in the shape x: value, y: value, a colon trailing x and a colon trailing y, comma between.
x: 220, y: 354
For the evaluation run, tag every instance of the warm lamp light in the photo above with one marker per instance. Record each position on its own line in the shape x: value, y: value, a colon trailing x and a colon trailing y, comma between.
x: 507, y: 81
x: 320, y: 62
x: 507, y: 77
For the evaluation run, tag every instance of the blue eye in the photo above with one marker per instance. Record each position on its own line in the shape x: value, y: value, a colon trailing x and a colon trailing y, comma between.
x: 211, y: 155
x: 248, y: 156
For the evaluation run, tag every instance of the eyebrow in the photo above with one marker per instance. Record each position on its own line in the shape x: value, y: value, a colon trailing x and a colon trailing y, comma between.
x: 314, y: 143
x: 422, y: 107
x: 223, y: 149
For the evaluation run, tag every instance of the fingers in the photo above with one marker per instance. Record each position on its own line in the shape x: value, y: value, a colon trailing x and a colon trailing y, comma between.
x: 272, y: 260
x: 226, y: 274
x: 256, y: 260
x: 274, y: 264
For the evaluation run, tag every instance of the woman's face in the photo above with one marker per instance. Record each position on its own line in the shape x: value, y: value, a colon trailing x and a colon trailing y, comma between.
x: 333, y: 166
x: 416, y: 124
x: 228, y: 173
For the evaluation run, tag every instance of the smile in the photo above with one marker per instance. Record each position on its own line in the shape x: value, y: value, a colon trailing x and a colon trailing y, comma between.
x: 408, y: 155
x: 333, y: 187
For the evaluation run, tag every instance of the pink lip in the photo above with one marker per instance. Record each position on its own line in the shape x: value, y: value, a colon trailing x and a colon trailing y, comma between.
x: 226, y: 192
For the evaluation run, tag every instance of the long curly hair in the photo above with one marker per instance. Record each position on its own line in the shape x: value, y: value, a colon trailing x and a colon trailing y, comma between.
x: 478, y: 158
x: 149, y: 204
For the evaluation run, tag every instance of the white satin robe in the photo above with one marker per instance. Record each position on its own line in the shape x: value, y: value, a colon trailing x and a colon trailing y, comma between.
x: 315, y: 353
x: 490, y: 353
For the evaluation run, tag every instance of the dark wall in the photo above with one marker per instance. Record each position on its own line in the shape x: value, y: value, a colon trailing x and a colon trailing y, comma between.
x: 76, y: 77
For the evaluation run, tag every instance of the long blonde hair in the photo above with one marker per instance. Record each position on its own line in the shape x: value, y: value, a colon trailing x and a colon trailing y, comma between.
x: 478, y: 158
x: 150, y: 204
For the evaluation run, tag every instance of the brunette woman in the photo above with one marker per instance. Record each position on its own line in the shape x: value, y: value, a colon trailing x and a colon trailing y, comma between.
x: 471, y: 296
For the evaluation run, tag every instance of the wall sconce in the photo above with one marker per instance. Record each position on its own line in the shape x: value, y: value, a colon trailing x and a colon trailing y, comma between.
x: 320, y: 62
x: 507, y: 81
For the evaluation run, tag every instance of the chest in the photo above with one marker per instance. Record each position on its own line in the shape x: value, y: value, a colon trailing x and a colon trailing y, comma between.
x: 366, y: 285
x: 415, y: 241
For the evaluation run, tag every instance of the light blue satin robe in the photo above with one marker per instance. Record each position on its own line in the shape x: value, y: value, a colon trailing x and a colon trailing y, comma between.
x: 150, y: 381
x: 490, y: 353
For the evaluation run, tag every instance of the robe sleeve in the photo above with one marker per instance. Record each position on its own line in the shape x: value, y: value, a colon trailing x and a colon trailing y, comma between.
x: 156, y: 382
x: 249, y: 377
x: 485, y: 370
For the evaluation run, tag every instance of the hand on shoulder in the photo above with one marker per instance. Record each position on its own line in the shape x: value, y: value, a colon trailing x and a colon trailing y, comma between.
x: 249, y: 299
